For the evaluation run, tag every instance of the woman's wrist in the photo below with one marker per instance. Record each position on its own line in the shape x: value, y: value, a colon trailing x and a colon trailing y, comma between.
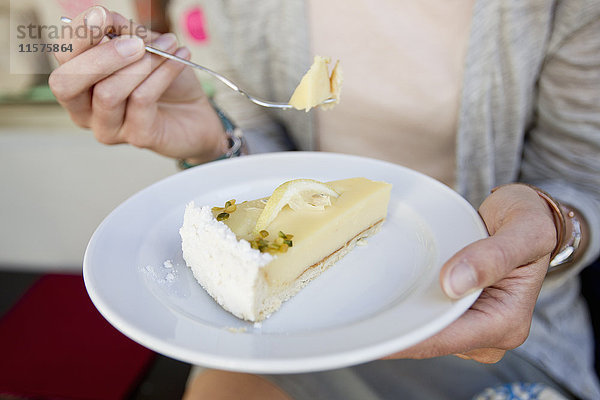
x: 229, y: 141
x: 216, y: 139
x: 572, y: 231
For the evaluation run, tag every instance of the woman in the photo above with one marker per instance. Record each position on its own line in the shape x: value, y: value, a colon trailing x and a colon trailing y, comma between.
x: 475, y: 93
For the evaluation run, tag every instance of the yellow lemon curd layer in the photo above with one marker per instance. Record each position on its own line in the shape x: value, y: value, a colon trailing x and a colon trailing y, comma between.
x: 361, y: 204
x: 317, y: 86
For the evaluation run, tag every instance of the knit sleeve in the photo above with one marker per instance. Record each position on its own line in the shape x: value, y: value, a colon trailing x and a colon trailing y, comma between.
x: 562, y: 149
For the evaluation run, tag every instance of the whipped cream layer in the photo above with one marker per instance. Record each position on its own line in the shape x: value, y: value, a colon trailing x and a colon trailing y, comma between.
x: 228, y: 269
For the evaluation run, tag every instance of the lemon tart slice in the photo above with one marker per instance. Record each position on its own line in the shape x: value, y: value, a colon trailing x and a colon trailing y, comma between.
x: 252, y: 256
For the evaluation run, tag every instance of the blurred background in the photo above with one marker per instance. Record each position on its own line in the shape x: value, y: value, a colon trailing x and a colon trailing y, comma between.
x: 56, y: 186
x: 57, y: 182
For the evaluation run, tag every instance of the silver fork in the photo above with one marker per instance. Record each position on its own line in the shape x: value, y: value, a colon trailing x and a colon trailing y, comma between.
x: 226, y: 81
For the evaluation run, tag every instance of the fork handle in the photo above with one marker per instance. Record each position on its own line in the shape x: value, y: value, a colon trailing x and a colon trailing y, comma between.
x: 221, y: 78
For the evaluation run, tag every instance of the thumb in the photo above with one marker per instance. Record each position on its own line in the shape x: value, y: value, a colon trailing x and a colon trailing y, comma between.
x: 522, y: 232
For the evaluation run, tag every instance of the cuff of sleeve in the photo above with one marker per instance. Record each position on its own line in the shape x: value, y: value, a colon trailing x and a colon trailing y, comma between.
x: 590, y: 209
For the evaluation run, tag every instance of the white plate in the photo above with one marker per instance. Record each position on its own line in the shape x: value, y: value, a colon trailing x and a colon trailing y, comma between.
x: 381, y: 298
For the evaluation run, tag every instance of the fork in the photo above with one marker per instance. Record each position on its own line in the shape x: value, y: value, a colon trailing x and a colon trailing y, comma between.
x: 230, y: 84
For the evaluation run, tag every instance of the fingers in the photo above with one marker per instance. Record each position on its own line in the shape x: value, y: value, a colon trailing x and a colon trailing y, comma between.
x: 84, y: 31
x: 91, y: 27
x: 154, y: 86
x: 486, y: 356
x: 142, y: 103
x: 82, y: 72
x: 111, y: 94
x: 93, y: 57
x: 124, y: 26
x: 522, y: 231
x: 71, y: 82
x: 499, y: 321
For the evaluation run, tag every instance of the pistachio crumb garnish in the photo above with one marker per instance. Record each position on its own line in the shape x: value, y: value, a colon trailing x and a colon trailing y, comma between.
x: 225, y: 211
x: 223, y: 216
x: 280, y: 244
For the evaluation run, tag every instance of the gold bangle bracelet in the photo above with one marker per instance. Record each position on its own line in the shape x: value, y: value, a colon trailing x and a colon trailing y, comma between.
x: 559, y: 219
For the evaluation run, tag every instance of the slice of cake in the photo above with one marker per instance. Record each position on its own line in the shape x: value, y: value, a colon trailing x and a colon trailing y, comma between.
x: 252, y: 256
x: 317, y: 86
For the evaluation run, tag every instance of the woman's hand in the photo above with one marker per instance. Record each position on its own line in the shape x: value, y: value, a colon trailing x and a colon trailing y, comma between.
x: 126, y: 95
x: 509, y: 266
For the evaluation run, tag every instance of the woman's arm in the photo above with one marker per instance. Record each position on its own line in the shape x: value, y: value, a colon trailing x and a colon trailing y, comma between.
x: 562, y: 156
x: 562, y: 150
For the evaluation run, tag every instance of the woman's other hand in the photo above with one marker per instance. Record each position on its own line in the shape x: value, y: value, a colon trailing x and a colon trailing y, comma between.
x: 509, y: 266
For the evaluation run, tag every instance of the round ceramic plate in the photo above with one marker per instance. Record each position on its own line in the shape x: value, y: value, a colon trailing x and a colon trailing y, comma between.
x: 381, y: 298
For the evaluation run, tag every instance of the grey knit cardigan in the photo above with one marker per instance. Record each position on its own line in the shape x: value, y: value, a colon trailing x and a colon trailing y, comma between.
x: 530, y: 111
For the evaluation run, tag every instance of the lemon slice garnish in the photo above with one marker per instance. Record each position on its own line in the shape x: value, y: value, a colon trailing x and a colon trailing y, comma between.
x: 299, y: 194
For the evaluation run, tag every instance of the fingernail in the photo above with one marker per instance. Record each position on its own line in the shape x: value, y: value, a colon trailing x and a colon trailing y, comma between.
x: 95, y: 17
x: 127, y: 46
x: 166, y: 41
x: 460, y: 280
